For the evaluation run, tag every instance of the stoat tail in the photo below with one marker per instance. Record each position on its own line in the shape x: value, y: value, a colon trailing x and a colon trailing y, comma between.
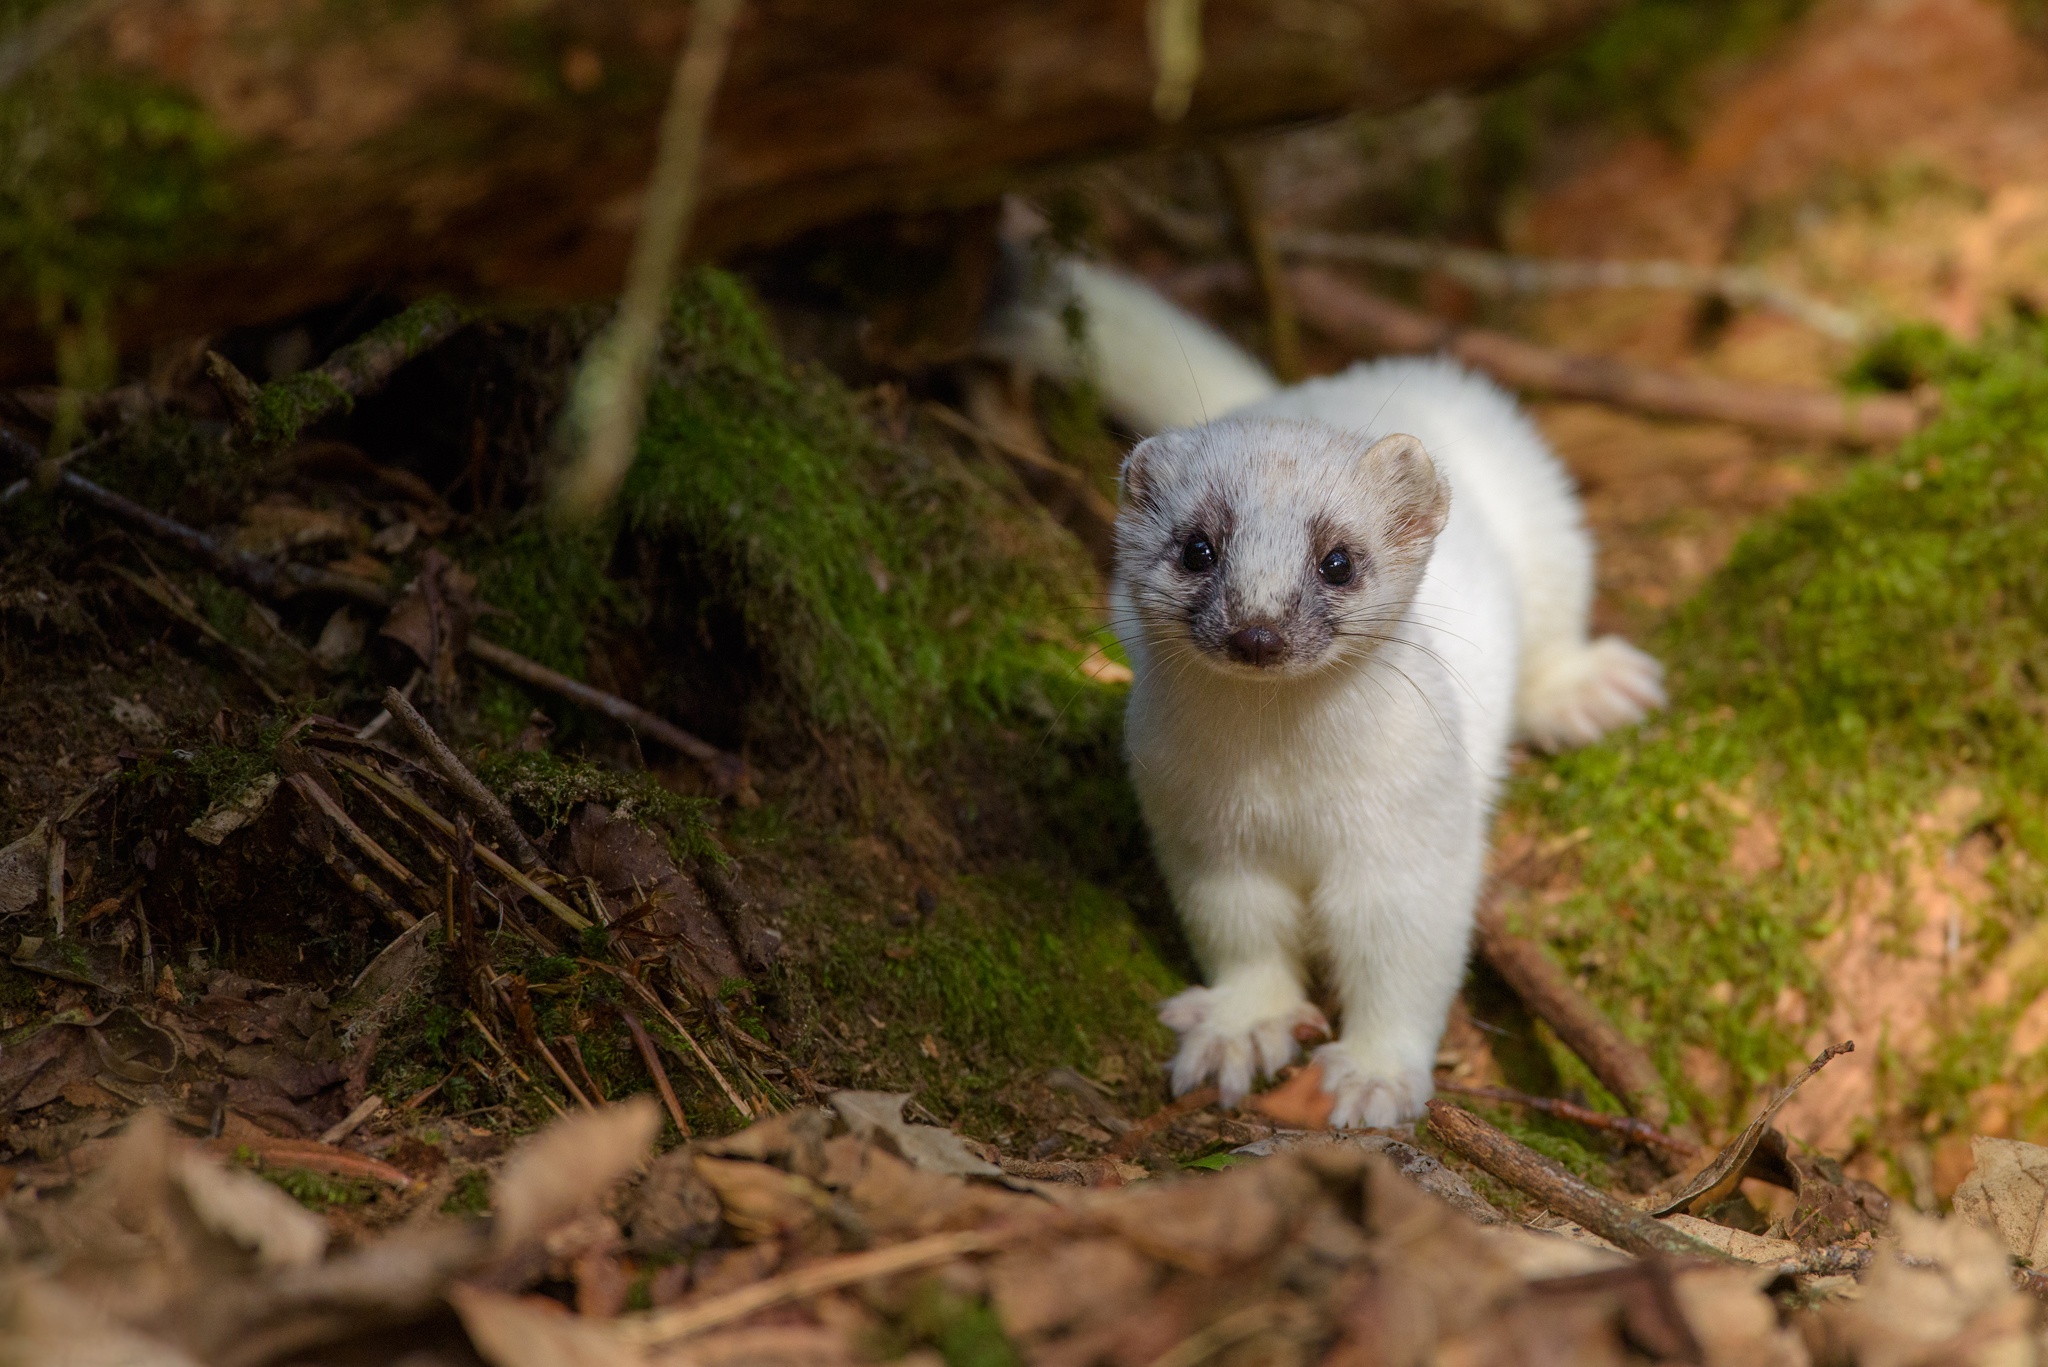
x: 1157, y: 366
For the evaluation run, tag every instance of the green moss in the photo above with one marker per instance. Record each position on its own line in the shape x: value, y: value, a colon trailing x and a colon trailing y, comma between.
x: 101, y: 179
x: 1857, y: 655
x: 549, y: 789
x: 284, y: 407
x: 471, y: 1196
x: 317, y: 1190
x: 1015, y: 973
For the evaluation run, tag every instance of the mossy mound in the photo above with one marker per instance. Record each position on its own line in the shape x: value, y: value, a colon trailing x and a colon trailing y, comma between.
x: 876, y: 586
x: 1867, y: 675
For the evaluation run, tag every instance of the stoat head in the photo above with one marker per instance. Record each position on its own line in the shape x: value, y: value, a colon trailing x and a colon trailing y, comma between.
x: 1273, y: 549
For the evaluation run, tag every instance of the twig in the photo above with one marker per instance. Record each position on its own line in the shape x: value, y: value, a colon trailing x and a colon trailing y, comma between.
x: 728, y: 771
x: 1503, y: 273
x: 482, y: 799
x: 1064, y: 492
x: 1622, y: 1068
x: 1211, y: 1339
x: 1283, y: 327
x: 682, y: 1321
x: 647, y: 995
x: 1625, y: 1126
x: 1558, y: 1188
x: 1357, y: 317
x: 359, y: 882
x: 574, y: 1050
x: 53, y: 879
x: 563, y: 912
x: 610, y: 398
x: 309, y: 788
x: 1142, y: 1133
x: 159, y: 592
x: 652, y: 1058
x: 278, y: 412
x: 383, y: 717
x: 313, y: 1156
x: 348, y: 1124
x: 269, y: 579
x: 513, y: 1063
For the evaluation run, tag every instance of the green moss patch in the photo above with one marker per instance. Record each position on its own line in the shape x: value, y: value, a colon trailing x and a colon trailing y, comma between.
x: 1871, y: 650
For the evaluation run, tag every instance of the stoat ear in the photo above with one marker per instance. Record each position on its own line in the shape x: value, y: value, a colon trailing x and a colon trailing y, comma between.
x: 1418, y: 497
x: 1134, y: 483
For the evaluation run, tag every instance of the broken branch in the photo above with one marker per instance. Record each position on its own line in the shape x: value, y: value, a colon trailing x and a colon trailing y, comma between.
x: 1359, y: 318
x: 1627, y: 1127
x: 482, y: 799
x: 652, y: 1059
x: 1622, y: 1068
x: 279, y: 411
x: 1561, y: 1190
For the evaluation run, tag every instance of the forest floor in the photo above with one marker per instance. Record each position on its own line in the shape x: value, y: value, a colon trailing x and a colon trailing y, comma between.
x: 319, y: 953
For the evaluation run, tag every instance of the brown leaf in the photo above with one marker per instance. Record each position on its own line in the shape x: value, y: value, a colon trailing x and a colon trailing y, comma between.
x: 2007, y: 1193
x: 1722, y: 1176
x: 1299, y: 1102
x: 515, y: 1331
x: 760, y: 1201
x: 1044, y: 1290
x: 643, y: 889
x: 675, y: 1210
x: 1214, y: 1224
x: 432, y: 619
x: 568, y: 1165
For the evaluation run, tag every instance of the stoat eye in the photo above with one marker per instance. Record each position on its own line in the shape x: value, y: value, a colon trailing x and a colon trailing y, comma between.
x: 1336, y: 567
x: 1197, y: 555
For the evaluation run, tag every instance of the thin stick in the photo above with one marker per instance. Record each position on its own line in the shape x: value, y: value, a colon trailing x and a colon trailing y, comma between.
x: 158, y: 591
x: 307, y: 787
x: 53, y: 878
x: 348, y: 1124
x: 652, y: 1058
x: 563, y: 912
x: 682, y: 1321
x: 482, y: 799
x: 728, y: 771
x: 1142, y: 1133
x: 1501, y: 273
x: 611, y: 387
x: 1622, y: 1068
x: 1558, y: 1188
x: 1283, y: 329
x: 647, y: 995
x: 1628, y: 1127
x: 504, y: 1054
x: 1357, y: 317
x: 383, y: 717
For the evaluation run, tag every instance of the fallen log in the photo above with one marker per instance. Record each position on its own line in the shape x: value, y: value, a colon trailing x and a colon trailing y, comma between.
x: 1348, y: 313
x: 297, y: 155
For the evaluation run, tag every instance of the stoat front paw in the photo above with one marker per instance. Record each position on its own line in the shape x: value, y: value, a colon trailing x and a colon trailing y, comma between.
x: 1369, y: 1092
x: 1231, y: 1035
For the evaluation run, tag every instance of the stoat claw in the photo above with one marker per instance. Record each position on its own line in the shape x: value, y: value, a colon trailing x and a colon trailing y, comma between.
x: 1368, y: 1094
x: 1229, y: 1037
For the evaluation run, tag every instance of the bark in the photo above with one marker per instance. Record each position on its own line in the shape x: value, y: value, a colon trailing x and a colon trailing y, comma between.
x: 499, y: 150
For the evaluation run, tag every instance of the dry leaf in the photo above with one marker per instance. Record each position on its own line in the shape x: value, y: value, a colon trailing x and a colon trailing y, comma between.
x: 763, y: 1202
x: 569, y: 1164
x: 251, y: 1212
x: 1299, y: 1102
x: 878, y: 1118
x: 2007, y: 1193
x: 1724, y: 1174
x: 25, y: 870
x: 1736, y: 1243
x: 229, y: 815
x: 1735, y: 1323
x: 511, y: 1331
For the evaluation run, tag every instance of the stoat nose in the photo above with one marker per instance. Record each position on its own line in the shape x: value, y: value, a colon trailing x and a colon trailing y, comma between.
x: 1259, y: 646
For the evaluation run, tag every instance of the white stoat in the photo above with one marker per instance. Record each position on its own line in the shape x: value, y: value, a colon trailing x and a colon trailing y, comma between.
x: 1341, y: 601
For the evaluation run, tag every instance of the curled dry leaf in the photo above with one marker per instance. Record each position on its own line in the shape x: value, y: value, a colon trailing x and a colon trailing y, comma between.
x: 569, y: 1164
x: 1722, y: 1176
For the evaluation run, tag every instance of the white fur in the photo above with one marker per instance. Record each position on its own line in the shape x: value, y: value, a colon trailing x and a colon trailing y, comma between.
x: 1156, y: 366
x: 1329, y: 816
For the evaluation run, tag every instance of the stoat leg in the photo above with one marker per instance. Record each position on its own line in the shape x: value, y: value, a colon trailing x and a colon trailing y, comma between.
x: 1397, y: 930
x: 1573, y: 693
x: 1243, y: 1024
